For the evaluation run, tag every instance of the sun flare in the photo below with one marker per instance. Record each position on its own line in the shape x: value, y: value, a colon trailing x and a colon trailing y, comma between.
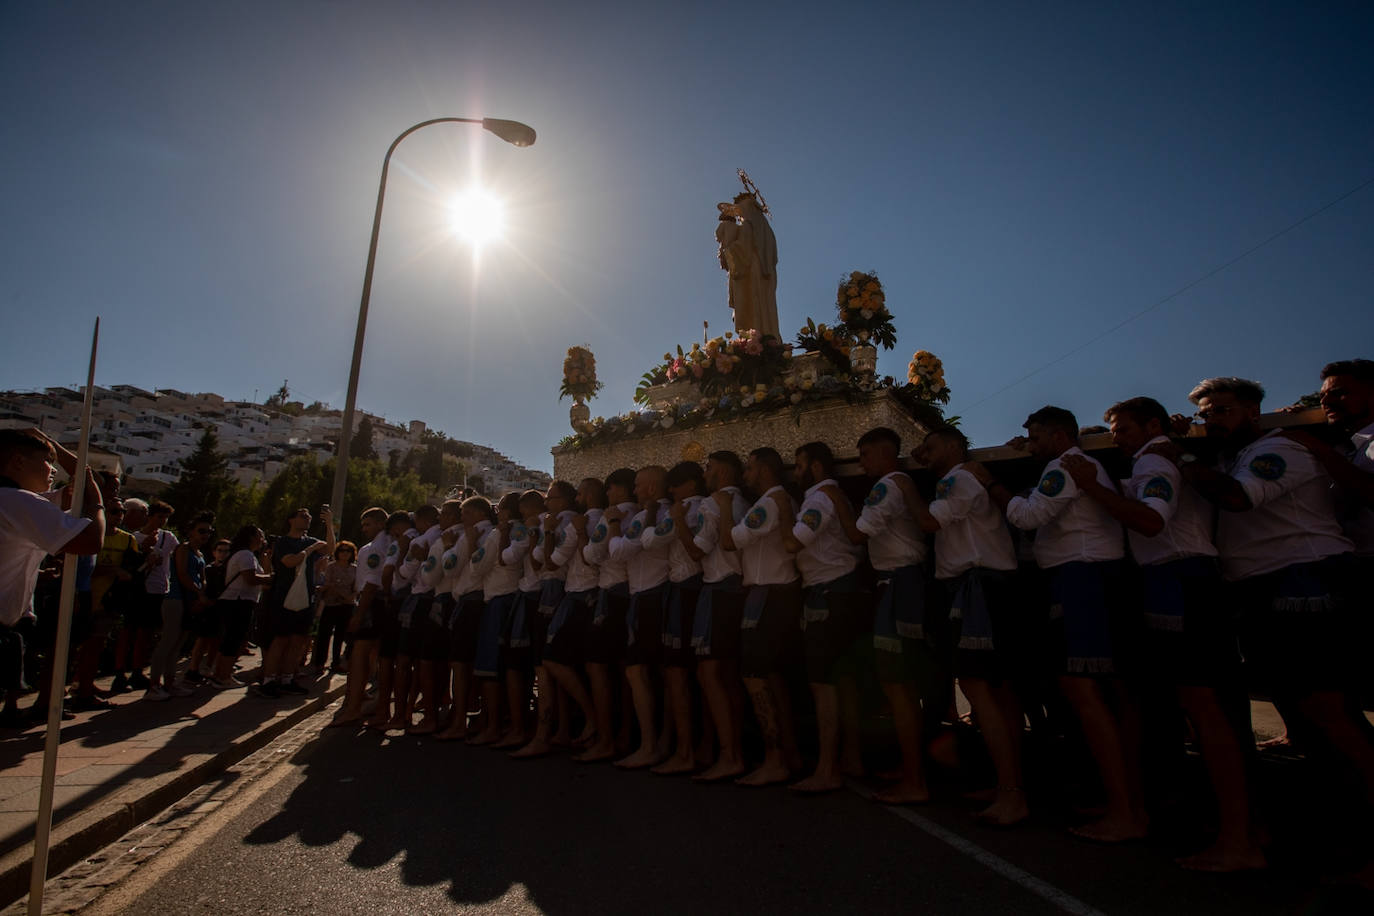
x: 477, y: 216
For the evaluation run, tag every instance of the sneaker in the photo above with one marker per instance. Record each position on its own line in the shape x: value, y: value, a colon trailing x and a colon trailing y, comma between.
x: 120, y: 684
x: 193, y: 677
x: 139, y: 681
x: 270, y: 689
x: 179, y: 690
x: 156, y: 694
x: 293, y: 687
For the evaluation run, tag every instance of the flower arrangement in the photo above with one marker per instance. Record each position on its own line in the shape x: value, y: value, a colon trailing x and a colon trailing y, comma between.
x: 579, y: 375
x: 863, y: 312
x: 750, y: 361
x: 832, y: 343
x: 925, y: 376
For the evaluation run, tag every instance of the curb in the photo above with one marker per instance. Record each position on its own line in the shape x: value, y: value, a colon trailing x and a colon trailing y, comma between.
x: 90, y: 831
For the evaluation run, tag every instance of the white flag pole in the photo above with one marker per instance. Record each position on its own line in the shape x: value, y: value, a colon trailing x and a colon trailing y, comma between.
x: 43, y: 827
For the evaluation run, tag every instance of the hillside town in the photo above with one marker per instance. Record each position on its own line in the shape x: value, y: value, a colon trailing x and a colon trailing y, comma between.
x: 143, y: 436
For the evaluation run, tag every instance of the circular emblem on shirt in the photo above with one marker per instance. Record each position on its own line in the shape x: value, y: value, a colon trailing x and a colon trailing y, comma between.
x: 1268, y: 466
x: 392, y: 548
x: 698, y: 523
x: 477, y: 557
x: 811, y: 518
x: 518, y: 533
x: 431, y: 561
x: 664, y: 527
x: 560, y: 537
x: 1052, y: 484
x: 636, y: 527
x: 599, y: 534
x: 374, y: 560
x: 756, y: 517
x: 944, y: 487
x: 450, y: 560
x: 877, y: 494
x: 1158, y: 488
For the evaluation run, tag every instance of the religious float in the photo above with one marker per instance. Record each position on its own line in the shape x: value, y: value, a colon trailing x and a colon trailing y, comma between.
x: 750, y: 387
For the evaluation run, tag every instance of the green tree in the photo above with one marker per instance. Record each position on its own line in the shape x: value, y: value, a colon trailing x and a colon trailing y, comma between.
x: 361, y: 444
x: 302, y: 482
x: 204, y: 479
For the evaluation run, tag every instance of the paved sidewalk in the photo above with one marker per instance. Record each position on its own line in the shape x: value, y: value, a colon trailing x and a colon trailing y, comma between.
x: 120, y: 766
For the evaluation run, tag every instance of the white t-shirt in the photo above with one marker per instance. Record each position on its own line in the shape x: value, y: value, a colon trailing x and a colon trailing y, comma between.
x: 1156, y: 482
x: 827, y: 553
x: 663, y: 538
x: 32, y: 526
x: 582, y: 575
x: 1292, y: 516
x: 758, y: 539
x: 598, y: 549
x: 894, y: 539
x: 240, y: 585
x: 644, y: 569
x: 972, y: 532
x: 1069, y: 526
x: 159, y: 574
x: 718, y: 564
x: 1359, y: 524
x: 371, y: 557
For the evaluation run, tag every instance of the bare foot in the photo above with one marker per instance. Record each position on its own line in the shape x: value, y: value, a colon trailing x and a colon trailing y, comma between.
x: 906, y: 792
x: 377, y: 722
x: 1009, y: 808
x: 531, y: 750
x: 425, y: 727
x: 988, y: 795
x: 644, y: 757
x: 452, y: 734
x: 483, y: 738
x: 1277, y: 741
x: 596, y: 753
x: 587, y: 738
x: 675, y: 766
x: 770, y: 774
x: 514, y: 739
x: 1220, y: 859
x: 342, y: 720
x: 720, y: 771
x: 398, y: 723
x: 562, y: 739
x: 818, y: 784
x: 1111, y: 830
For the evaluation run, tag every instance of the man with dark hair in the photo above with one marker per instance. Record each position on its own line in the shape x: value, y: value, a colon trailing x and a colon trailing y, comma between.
x: 684, y: 483
x: 975, y: 559
x: 771, y: 617
x: 144, y: 614
x: 386, y: 608
x: 566, y: 640
x: 897, y: 551
x: 720, y: 604
x: 1079, y: 543
x: 833, y: 616
x: 417, y: 572
x: 1282, y: 545
x: 606, y: 637
x: 1347, y: 398
x: 32, y: 526
x: 362, y: 626
x: 291, y: 628
x: 1190, y: 640
x: 646, y: 575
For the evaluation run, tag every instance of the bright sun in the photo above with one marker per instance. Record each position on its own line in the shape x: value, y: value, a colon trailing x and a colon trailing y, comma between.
x: 477, y: 216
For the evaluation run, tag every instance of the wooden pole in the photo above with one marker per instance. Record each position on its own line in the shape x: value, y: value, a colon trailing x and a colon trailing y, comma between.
x: 43, y: 827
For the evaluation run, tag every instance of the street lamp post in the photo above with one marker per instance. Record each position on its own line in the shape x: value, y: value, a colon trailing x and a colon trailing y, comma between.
x: 512, y: 132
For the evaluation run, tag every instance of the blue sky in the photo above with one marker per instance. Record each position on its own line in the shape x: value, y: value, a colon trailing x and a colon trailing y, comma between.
x: 1022, y: 178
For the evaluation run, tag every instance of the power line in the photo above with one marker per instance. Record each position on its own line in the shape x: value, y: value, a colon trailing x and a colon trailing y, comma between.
x: 1175, y: 294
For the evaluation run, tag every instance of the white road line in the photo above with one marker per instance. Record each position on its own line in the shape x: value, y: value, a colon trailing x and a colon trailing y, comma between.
x: 1019, y: 876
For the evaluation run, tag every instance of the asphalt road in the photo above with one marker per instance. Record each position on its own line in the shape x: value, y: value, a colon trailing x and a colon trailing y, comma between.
x: 366, y: 824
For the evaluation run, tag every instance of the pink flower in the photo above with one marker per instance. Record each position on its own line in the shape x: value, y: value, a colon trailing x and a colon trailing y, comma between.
x: 697, y: 370
x: 754, y: 346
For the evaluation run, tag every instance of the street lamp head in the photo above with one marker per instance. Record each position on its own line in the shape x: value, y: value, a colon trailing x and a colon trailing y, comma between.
x: 512, y: 132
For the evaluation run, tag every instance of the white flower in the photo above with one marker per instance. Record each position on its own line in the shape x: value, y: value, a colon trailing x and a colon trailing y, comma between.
x: 866, y: 313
